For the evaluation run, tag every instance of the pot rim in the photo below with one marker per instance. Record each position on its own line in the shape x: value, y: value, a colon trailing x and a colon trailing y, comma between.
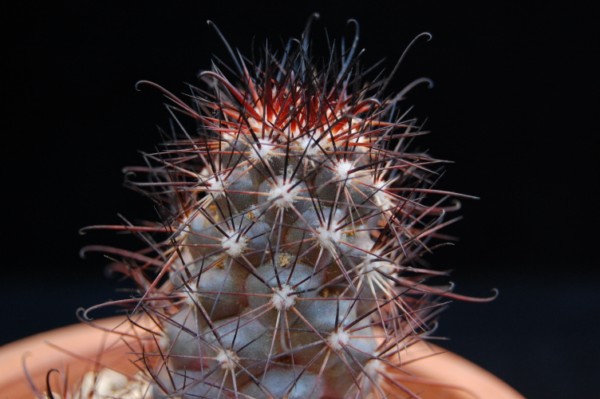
x: 427, y: 370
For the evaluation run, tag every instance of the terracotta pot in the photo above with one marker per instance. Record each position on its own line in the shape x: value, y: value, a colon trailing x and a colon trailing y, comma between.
x: 45, y: 351
x: 437, y: 374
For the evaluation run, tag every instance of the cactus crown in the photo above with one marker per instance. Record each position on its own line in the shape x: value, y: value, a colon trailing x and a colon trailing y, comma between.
x: 288, y: 263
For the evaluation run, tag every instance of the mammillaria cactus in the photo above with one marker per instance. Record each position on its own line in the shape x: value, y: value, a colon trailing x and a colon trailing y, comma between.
x: 288, y: 263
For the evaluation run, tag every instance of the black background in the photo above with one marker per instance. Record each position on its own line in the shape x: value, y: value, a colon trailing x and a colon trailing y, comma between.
x: 514, y: 105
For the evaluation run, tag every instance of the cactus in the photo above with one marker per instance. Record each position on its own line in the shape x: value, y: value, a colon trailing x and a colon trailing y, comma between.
x: 289, y: 259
